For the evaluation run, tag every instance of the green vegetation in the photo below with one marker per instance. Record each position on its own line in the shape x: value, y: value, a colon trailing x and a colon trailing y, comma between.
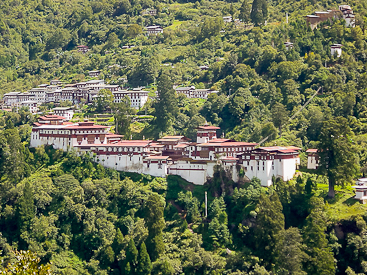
x: 74, y: 216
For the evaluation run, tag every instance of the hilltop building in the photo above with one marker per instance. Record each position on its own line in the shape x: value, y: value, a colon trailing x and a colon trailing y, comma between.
x: 196, y: 162
x: 361, y: 190
x: 344, y: 12
x: 83, y: 49
x: 336, y: 50
x: 312, y: 159
x: 192, y: 92
x: 153, y: 30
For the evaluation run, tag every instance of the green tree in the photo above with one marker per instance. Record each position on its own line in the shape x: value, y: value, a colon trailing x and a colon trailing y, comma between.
x: 166, y: 106
x: 26, y: 208
x: 320, y: 258
x: 279, y: 115
x: 144, y: 264
x: 131, y: 260
x: 337, y: 153
x: 123, y: 114
x: 26, y: 262
x: 291, y: 255
x: 269, y: 226
x: 218, y: 226
x: 12, y: 159
x: 134, y: 30
x: 104, y: 100
x: 259, y: 12
x: 245, y: 12
x: 153, y: 217
x: 59, y: 39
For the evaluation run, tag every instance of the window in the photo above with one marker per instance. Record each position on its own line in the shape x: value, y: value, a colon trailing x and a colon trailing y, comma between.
x: 252, y: 168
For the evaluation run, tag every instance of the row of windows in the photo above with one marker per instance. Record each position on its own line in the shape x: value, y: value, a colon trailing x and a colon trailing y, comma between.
x: 236, y: 149
x: 120, y: 149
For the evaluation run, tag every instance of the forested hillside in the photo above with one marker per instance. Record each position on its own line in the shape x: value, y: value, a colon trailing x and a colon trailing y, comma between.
x: 80, y: 218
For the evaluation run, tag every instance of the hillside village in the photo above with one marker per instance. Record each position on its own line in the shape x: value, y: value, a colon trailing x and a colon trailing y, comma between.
x: 183, y: 137
x: 169, y: 155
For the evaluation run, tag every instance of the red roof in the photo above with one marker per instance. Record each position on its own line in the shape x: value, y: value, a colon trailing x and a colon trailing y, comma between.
x: 311, y: 151
x: 110, y: 135
x: 207, y: 127
x: 181, y: 145
x: 51, y: 117
x: 157, y: 157
x: 219, y: 140
x: 228, y: 144
x: 229, y: 158
x: 287, y: 151
x: 77, y: 127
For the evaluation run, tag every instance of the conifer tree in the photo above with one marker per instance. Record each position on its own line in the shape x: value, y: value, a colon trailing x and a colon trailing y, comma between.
x: 310, y: 187
x: 26, y: 208
x: 245, y: 11
x: 320, y: 258
x: 154, y: 208
x: 259, y: 12
x: 144, y: 264
x: 269, y: 224
x: 166, y: 107
x: 131, y: 257
x: 118, y: 241
x: 337, y: 152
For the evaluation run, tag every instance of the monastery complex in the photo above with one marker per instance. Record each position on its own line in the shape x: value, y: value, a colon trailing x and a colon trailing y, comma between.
x: 170, y: 155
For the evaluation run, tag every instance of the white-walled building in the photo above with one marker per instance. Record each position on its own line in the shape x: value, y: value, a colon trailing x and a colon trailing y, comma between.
x: 192, y: 92
x: 312, y: 159
x: 169, y: 155
x: 39, y: 94
x: 95, y: 73
x: 336, y: 50
x: 52, y: 130
x: 137, y: 97
x: 288, y: 45
x: 66, y: 112
x: 153, y: 30
x: 227, y: 19
x: 361, y: 190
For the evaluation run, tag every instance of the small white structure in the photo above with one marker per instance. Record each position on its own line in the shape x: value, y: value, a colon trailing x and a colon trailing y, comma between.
x: 361, y: 190
x: 288, y: 45
x: 55, y: 82
x: 66, y: 112
x: 312, y: 159
x: 227, y: 19
x: 149, y: 11
x: 94, y: 73
x: 204, y: 67
x: 336, y: 50
x: 153, y: 30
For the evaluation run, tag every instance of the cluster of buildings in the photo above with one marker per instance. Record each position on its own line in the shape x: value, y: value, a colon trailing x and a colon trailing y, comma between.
x: 344, y: 12
x: 85, y: 92
x: 170, y: 155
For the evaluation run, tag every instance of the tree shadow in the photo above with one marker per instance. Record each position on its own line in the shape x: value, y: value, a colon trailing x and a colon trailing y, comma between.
x: 351, y: 201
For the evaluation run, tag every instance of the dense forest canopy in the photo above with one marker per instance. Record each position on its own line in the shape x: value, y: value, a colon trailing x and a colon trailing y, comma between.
x: 73, y: 216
